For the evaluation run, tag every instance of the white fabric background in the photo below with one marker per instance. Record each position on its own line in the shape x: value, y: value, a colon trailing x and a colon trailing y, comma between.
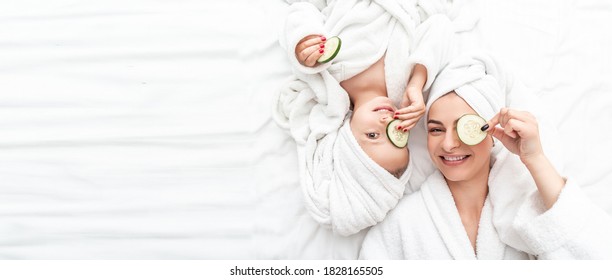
x: 142, y: 129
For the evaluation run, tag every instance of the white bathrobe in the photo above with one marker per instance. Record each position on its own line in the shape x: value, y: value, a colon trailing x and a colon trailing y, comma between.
x: 427, y: 225
x: 513, y: 223
x: 343, y: 188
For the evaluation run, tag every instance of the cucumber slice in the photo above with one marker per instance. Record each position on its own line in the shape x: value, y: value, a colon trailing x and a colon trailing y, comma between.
x: 468, y: 129
x: 332, y: 47
x: 397, y: 137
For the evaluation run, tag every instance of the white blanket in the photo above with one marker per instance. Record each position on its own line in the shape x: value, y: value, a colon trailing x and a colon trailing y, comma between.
x: 343, y: 187
x: 142, y: 129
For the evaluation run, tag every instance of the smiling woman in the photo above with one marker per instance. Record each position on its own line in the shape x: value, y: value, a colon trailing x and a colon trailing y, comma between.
x: 486, y: 201
x: 455, y: 159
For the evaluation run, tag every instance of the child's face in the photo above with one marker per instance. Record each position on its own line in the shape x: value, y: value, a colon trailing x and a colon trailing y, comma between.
x: 456, y: 160
x: 368, y: 124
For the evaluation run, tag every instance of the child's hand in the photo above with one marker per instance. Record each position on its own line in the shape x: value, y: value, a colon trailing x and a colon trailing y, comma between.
x: 518, y: 132
x: 309, y: 49
x: 412, y: 108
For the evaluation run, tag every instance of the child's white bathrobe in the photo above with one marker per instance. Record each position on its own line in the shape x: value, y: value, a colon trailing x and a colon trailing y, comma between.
x: 513, y: 223
x: 343, y: 188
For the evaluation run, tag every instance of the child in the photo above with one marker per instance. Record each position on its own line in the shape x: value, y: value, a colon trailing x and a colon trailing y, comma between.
x: 350, y: 173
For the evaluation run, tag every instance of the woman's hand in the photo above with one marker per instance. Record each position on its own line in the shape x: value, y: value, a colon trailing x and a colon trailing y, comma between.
x: 518, y: 132
x: 309, y: 49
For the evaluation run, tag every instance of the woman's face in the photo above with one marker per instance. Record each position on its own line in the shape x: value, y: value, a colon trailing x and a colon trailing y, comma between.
x: 456, y: 160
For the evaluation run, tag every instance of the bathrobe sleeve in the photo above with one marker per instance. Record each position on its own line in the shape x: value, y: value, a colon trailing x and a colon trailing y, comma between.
x: 375, y: 246
x: 574, y: 228
x: 434, y: 46
x: 303, y: 19
x: 383, y: 241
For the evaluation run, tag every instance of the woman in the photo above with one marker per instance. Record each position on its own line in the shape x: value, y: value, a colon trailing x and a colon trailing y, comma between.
x: 463, y: 210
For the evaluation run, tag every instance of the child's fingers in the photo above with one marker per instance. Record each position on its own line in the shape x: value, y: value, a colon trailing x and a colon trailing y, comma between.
x: 410, y: 109
x: 309, y: 41
x: 304, y: 56
x: 407, y: 124
x: 409, y: 127
x: 407, y: 116
x: 404, y: 110
x: 307, y: 46
x: 312, y: 58
x: 414, y: 97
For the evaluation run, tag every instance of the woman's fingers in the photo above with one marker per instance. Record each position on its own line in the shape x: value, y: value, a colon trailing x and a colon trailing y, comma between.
x: 518, y: 131
x: 508, y: 142
x: 512, y: 128
x: 523, y: 116
x: 498, y: 133
x: 493, y: 122
x: 506, y: 115
x: 514, y: 123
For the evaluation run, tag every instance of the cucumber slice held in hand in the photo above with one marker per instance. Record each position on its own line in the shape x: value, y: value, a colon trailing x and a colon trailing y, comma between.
x: 468, y: 129
x: 397, y: 137
x: 332, y: 47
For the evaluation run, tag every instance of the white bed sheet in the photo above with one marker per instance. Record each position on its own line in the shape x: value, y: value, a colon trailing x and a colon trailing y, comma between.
x: 142, y: 129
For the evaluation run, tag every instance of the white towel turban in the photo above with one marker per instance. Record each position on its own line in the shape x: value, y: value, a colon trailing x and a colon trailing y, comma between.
x: 361, y: 192
x: 479, y: 79
x: 475, y: 77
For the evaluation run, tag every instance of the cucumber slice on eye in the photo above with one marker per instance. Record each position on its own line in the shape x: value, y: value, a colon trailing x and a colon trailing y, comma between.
x: 332, y: 47
x: 468, y: 129
x: 397, y: 137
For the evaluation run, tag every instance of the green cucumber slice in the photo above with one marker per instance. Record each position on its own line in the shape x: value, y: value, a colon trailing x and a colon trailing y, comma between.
x: 332, y: 47
x: 468, y: 129
x: 397, y: 137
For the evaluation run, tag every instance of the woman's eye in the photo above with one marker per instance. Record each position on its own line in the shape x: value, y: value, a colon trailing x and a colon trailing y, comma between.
x: 435, y: 131
x: 372, y: 135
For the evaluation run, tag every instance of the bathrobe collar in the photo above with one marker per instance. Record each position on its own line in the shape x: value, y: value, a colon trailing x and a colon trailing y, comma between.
x: 443, y: 211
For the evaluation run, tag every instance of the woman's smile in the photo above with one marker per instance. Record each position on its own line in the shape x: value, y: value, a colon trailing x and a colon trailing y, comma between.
x: 454, y: 160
